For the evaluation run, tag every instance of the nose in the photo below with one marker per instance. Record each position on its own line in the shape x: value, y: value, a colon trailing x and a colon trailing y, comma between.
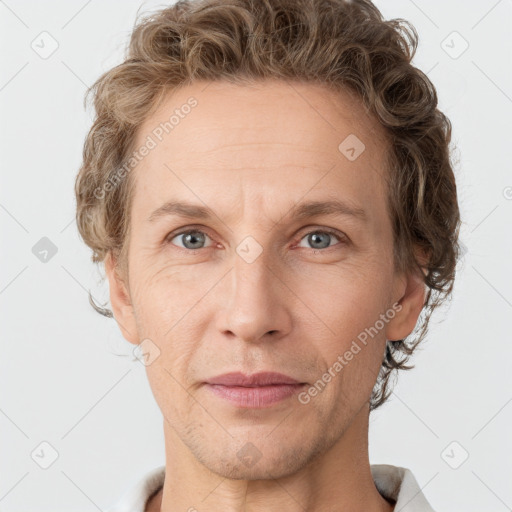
x: 254, y: 302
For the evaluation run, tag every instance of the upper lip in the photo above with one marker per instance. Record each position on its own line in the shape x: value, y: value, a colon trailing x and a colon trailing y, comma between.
x: 254, y: 380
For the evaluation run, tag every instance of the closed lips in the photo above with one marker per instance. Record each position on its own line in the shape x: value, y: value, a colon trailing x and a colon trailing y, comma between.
x: 254, y: 380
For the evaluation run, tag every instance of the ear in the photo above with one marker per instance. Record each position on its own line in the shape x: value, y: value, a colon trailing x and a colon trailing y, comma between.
x: 410, y: 295
x: 120, y: 299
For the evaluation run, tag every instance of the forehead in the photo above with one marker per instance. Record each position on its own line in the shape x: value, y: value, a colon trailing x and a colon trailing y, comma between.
x: 269, y: 141
x: 294, y: 111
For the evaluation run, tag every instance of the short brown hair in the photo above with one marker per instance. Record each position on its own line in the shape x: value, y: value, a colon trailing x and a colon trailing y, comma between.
x: 339, y: 43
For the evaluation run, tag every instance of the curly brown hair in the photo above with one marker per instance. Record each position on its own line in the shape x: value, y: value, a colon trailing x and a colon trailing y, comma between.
x: 338, y: 43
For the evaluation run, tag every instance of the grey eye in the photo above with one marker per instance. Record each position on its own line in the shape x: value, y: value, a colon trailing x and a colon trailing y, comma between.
x: 319, y: 239
x: 191, y: 239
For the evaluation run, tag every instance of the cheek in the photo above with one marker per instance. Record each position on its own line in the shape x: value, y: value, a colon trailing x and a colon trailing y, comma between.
x: 167, y: 389
x: 345, y: 299
x: 161, y: 296
x: 167, y: 304
x: 347, y: 304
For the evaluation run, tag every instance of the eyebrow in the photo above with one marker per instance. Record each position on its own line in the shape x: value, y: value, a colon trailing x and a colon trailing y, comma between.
x: 299, y: 211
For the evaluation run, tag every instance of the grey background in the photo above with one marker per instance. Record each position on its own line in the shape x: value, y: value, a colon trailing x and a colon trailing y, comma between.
x: 60, y: 380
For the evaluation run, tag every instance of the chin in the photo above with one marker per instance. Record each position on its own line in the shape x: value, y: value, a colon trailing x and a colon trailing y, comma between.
x: 251, y: 463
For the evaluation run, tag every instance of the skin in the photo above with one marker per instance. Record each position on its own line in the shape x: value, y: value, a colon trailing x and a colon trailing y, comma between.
x: 250, y: 153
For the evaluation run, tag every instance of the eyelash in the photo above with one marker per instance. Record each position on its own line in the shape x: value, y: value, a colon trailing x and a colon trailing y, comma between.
x: 340, y: 236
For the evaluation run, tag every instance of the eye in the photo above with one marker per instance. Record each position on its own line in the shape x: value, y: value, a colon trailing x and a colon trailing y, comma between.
x: 194, y: 239
x: 320, y: 238
x: 191, y: 239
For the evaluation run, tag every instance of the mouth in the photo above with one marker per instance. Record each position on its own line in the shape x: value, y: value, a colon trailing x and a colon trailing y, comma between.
x: 259, y: 390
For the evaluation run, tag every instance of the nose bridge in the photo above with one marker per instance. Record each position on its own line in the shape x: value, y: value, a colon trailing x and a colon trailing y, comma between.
x: 251, y: 279
x: 253, y: 305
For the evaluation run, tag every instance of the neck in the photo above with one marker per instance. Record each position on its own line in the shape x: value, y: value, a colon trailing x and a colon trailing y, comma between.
x: 339, y: 479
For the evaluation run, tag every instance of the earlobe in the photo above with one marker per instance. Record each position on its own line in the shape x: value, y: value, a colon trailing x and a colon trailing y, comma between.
x: 122, y: 308
x: 411, y: 303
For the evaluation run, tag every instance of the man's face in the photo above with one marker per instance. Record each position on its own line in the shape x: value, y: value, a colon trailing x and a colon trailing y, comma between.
x: 256, y: 287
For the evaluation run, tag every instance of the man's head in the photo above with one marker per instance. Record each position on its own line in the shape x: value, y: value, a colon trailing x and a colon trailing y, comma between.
x: 250, y: 110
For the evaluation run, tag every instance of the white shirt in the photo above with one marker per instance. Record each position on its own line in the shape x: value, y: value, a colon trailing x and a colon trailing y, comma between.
x: 393, y: 482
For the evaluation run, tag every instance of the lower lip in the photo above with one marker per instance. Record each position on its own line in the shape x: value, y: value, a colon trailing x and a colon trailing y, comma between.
x: 255, y: 397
